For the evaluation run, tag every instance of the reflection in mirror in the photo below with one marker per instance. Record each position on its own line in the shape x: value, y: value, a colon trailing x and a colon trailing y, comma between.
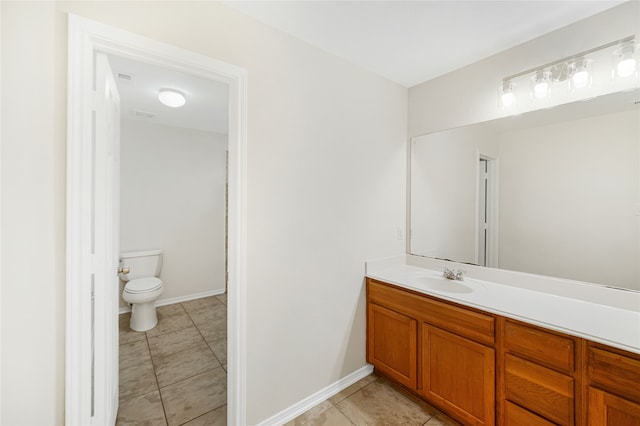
x: 553, y: 192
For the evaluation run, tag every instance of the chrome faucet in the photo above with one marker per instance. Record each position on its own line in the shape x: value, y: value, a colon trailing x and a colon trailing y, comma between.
x: 452, y: 274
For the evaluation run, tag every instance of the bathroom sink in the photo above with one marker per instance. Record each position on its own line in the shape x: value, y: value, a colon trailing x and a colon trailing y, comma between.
x: 441, y: 284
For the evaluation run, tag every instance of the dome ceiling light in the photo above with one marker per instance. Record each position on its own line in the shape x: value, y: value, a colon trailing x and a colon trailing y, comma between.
x: 172, y: 98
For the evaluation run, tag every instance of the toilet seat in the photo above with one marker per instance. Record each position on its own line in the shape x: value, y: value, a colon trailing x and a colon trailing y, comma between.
x: 143, y: 285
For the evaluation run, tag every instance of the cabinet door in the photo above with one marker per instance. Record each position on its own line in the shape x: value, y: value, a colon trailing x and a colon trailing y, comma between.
x: 392, y: 344
x: 606, y: 409
x: 458, y: 376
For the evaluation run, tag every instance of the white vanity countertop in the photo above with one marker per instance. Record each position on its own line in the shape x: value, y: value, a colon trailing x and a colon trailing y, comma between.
x: 604, y: 323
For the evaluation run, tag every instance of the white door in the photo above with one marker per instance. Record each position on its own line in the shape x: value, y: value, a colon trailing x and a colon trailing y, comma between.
x: 483, y: 220
x: 106, y: 236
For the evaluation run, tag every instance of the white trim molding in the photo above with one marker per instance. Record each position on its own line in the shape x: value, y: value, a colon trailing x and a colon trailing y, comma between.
x: 322, y: 395
x: 85, y: 38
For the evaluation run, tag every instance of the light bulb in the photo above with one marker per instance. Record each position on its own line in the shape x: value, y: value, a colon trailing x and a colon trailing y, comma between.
x: 171, y: 98
x: 580, y: 79
x: 626, y: 67
x: 508, y: 99
x: 541, y: 84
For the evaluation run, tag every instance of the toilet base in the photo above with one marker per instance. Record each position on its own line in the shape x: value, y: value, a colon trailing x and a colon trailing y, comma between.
x: 143, y: 316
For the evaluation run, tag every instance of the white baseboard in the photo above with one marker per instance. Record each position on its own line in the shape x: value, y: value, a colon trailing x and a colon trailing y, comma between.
x: 322, y: 395
x: 162, y: 302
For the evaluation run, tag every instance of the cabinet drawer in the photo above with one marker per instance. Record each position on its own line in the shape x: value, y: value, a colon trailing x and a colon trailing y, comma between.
x: 537, y: 345
x: 518, y: 416
x: 615, y: 372
x: 539, y: 389
x: 462, y: 321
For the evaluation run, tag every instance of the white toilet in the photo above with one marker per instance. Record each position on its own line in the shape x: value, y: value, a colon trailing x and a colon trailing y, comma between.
x: 143, y: 286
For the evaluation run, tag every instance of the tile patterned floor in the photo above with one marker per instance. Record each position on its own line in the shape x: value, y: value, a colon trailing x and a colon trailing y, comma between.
x: 372, y: 401
x: 175, y: 374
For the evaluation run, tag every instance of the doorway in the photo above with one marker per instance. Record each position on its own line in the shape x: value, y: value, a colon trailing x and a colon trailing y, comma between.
x: 173, y: 199
x: 86, y: 39
x: 487, y: 212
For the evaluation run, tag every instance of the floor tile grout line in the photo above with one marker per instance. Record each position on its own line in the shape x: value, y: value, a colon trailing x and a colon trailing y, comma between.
x: 204, y: 343
x: 191, y: 377
x: 203, y: 338
x: 203, y: 414
x: 164, y: 410
x: 345, y: 414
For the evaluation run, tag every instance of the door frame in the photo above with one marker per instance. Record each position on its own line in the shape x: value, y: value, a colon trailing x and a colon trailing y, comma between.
x: 85, y: 37
x: 493, y: 240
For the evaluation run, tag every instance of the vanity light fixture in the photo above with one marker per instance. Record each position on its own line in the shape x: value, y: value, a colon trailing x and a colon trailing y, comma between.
x: 573, y: 73
x: 172, y: 98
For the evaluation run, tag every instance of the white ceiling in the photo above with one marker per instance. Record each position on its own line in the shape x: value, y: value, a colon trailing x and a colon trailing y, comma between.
x: 207, y: 101
x: 410, y: 42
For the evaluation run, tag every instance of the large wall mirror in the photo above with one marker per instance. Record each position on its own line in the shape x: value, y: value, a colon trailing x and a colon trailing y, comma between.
x: 552, y: 192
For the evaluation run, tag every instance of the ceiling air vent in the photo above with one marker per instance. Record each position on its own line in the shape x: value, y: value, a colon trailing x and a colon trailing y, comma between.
x: 143, y: 114
x: 125, y: 78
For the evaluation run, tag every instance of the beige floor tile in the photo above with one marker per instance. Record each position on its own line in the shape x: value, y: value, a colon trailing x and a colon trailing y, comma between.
x: 203, y: 303
x: 137, y: 379
x: 175, y: 341
x: 179, y: 366
x: 191, y: 398
x: 353, y: 388
x: 142, y: 410
x: 323, y: 414
x: 222, y: 298
x: 170, y: 318
x: 379, y: 404
x: 208, y: 314
x: 219, y: 349
x: 136, y: 371
x: 217, y: 417
x: 127, y: 335
x: 214, y: 331
x: 133, y: 353
x: 437, y: 421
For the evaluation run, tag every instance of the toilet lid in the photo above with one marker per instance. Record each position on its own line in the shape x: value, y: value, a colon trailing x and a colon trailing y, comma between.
x: 143, y: 285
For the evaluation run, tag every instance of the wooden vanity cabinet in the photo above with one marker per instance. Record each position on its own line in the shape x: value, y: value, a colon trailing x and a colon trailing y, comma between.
x: 613, y: 386
x: 439, y: 350
x: 483, y: 369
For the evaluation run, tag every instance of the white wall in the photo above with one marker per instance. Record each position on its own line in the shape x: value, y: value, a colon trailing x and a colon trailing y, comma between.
x: 173, y: 197
x: 558, y: 181
x: 470, y: 94
x: 326, y: 190
x: 33, y: 214
x: 444, y: 189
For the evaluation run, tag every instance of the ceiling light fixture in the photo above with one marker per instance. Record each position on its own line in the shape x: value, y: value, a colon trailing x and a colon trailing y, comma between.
x: 172, y: 98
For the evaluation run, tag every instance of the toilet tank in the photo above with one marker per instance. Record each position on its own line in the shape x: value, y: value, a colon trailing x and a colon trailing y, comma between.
x: 143, y: 263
